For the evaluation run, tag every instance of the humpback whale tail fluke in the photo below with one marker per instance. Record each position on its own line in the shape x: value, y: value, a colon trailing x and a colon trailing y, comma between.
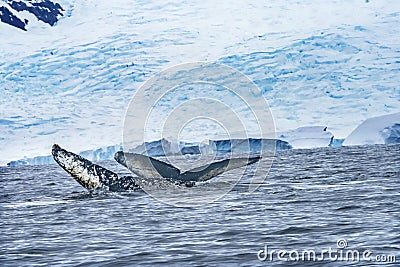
x: 91, y: 176
x: 148, y: 167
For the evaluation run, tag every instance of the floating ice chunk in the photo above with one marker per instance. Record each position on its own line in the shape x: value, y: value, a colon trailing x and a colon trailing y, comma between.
x: 307, y: 137
x: 378, y: 130
x: 104, y: 153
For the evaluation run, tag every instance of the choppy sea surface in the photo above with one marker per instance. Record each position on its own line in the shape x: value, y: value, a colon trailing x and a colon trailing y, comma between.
x: 340, y: 198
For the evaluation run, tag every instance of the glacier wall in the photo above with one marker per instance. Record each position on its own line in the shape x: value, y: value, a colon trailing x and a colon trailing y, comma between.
x: 164, y: 147
x: 391, y: 134
x: 377, y: 130
x: 104, y: 153
x: 71, y: 83
x: 307, y: 137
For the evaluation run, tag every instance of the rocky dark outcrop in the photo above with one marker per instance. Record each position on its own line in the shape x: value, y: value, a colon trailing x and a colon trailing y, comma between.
x: 44, y: 10
x: 8, y: 17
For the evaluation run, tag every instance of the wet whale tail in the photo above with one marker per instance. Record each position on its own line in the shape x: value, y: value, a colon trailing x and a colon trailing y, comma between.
x: 91, y: 176
x: 148, y: 167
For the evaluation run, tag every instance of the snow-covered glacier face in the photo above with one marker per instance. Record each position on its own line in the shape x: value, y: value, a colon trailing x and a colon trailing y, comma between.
x: 333, y: 64
x: 377, y: 130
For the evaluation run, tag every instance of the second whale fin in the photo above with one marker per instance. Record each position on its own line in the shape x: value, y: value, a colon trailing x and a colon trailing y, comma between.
x: 148, y: 167
x: 207, y: 172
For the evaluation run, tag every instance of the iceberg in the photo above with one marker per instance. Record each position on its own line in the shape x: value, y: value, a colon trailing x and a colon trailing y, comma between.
x: 104, y: 153
x: 252, y: 145
x: 336, y: 142
x: 165, y: 147
x: 157, y: 148
x: 391, y: 134
x: 39, y: 160
x: 377, y: 130
x: 307, y: 137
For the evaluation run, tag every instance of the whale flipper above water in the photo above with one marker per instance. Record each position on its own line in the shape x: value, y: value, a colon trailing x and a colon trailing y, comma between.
x: 91, y: 176
x: 148, y: 167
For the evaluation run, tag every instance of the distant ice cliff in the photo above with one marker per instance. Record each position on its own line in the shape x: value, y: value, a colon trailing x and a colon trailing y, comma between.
x: 378, y: 130
x: 307, y: 137
x: 252, y: 145
x: 164, y: 147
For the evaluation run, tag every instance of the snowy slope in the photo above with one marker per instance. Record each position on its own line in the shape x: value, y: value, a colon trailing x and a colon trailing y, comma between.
x: 307, y: 137
x: 316, y: 63
x: 377, y: 130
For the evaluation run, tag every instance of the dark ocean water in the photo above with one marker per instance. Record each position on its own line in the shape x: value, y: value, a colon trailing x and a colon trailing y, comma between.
x: 309, y: 201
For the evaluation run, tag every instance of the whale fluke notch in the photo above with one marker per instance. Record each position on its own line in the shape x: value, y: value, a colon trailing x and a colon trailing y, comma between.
x: 148, y: 167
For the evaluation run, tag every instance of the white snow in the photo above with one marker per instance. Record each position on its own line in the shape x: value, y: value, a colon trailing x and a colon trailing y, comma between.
x: 333, y: 63
x: 307, y: 137
x: 378, y: 130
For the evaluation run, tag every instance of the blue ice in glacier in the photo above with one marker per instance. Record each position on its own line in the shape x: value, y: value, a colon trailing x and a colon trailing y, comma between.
x: 164, y: 147
x: 307, y: 137
x: 104, y: 153
x: 71, y: 83
x: 378, y: 130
